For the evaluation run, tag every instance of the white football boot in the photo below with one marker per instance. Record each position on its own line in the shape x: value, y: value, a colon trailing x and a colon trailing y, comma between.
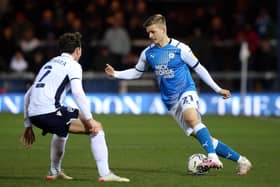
x: 211, y: 162
x: 59, y: 175
x: 111, y: 177
x: 244, y: 165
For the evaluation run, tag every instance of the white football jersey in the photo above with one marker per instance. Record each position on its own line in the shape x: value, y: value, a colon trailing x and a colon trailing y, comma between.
x: 52, y: 84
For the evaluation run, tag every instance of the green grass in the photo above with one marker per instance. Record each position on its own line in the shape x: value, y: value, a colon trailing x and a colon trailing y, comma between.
x: 151, y: 150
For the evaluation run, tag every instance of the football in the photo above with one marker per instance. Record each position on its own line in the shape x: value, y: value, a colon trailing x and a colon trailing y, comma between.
x: 192, y: 163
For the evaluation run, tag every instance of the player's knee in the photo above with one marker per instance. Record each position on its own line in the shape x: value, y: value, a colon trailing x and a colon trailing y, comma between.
x: 191, y: 116
x: 192, y: 121
x: 96, y: 128
x: 99, y: 127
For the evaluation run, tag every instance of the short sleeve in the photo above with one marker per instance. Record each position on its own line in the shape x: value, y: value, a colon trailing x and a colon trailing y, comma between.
x: 75, y: 71
x: 187, y: 55
x: 142, y: 64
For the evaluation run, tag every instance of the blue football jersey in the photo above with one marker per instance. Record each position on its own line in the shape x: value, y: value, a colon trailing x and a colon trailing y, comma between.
x: 171, y: 65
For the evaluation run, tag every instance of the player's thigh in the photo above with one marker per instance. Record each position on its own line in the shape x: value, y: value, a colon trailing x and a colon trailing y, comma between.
x: 177, y: 113
x: 56, y: 122
x: 189, y: 103
x: 77, y: 127
x: 191, y: 116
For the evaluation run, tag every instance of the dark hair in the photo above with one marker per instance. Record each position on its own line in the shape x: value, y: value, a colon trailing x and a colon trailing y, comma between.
x: 154, y: 19
x: 68, y: 42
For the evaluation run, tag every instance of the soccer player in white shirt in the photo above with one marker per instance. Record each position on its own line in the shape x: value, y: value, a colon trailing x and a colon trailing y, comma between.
x: 43, y: 107
x: 171, y: 62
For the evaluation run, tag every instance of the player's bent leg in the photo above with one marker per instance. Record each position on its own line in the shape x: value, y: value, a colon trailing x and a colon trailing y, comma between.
x: 223, y: 150
x: 100, y: 153
x: 209, y: 163
x: 99, y: 149
x: 57, y: 152
x: 201, y: 133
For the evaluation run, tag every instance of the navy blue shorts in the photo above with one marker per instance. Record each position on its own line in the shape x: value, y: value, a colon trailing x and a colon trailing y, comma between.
x: 56, y: 122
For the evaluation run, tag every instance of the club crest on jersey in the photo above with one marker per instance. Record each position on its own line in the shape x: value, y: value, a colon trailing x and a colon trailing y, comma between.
x: 171, y: 55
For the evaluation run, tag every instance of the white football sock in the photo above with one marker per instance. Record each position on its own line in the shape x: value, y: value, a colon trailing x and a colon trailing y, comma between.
x: 100, y: 152
x: 57, y: 152
x: 215, y: 142
x: 213, y: 156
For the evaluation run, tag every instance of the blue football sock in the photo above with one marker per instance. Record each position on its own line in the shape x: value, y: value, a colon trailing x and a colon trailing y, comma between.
x: 203, y: 136
x: 225, y: 151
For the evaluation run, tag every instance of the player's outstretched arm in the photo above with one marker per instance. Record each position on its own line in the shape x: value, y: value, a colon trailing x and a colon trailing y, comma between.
x: 127, y: 74
x: 206, y: 77
x: 225, y: 93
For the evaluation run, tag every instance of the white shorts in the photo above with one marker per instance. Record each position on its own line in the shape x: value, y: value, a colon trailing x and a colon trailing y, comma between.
x: 189, y: 99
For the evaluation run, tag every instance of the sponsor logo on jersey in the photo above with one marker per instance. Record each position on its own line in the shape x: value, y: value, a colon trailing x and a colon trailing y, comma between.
x: 164, y: 71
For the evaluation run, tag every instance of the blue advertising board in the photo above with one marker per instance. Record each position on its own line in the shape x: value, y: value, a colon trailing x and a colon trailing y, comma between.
x: 255, y: 104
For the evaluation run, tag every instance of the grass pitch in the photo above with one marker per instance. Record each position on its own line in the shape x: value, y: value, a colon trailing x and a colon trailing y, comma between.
x: 151, y: 150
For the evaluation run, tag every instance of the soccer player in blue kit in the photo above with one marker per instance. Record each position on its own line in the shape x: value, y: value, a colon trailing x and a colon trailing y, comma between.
x: 171, y: 62
x: 43, y: 108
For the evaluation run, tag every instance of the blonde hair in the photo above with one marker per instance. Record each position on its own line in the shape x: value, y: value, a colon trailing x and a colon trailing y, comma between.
x: 155, y: 19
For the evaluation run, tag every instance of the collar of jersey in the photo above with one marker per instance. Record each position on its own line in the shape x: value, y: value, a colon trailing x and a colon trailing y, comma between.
x: 170, y: 40
x: 67, y: 55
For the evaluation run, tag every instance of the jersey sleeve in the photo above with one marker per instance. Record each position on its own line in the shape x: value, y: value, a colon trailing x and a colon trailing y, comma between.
x: 75, y: 77
x: 75, y: 71
x: 188, y: 56
x: 142, y: 65
x: 206, y: 77
x: 80, y: 98
x: 27, y: 122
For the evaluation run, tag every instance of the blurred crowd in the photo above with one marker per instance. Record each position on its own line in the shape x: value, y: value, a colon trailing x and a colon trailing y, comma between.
x: 113, y: 33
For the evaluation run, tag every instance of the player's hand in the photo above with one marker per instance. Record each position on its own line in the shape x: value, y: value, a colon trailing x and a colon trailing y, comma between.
x: 28, y: 137
x: 93, y: 126
x: 96, y: 127
x: 109, y: 70
x: 225, y: 93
